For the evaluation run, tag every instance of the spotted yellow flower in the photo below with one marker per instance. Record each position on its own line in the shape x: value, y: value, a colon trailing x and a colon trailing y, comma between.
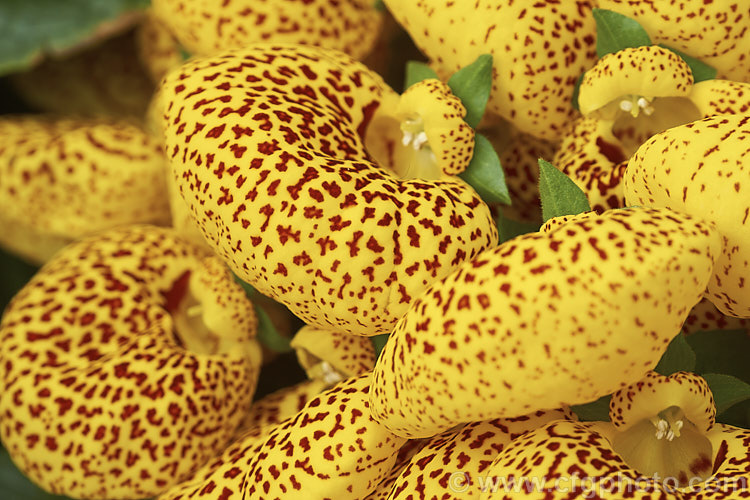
x: 332, y: 356
x: 544, y: 320
x: 136, y: 350
x: 272, y: 151
x: 662, y: 443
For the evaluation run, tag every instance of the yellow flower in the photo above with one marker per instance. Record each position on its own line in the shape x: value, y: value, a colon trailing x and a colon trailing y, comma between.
x: 544, y: 320
x: 713, y: 31
x: 662, y: 442
x: 205, y: 28
x: 701, y: 169
x: 626, y: 98
x: 63, y: 179
x: 331, y: 355
x: 271, y: 150
x: 539, y: 50
x: 127, y: 362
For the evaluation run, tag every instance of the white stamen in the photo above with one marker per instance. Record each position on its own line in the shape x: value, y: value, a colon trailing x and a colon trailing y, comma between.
x: 679, y: 424
x: 194, y: 311
x: 626, y: 106
x: 407, y: 138
x: 420, y: 140
x: 670, y: 435
x: 662, y: 429
x: 643, y: 102
x: 648, y: 111
x: 330, y: 375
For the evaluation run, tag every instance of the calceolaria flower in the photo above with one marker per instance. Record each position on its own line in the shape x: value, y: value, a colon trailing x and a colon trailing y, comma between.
x: 539, y: 50
x: 271, y: 151
x: 701, y: 169
x: 63, y: 179
x: 626, y: 98
x: 715, y: 32
x: 544, y: 320
x: 127, y: 362
x: 332, y: 356
x: 351, y: 26
x: 662, y: 443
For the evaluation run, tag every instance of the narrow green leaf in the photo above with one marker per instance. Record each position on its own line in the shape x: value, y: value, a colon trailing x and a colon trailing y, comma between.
x: 510, y: 228
x: 485, y: 174
x: 267, y: 335
x: 472, y: 84
x: 576, y: 92
x: 727, y: 390
x: 559, y: 194
x: 679, y: 357
x: 416, y: 71
x: 616, y: 32
x: 595, y: 411
x: 721, y: 351
x: 378, y: 342
x: 184, y: 53
x: 14, y: 485
x: 701, y: 71
x: 737, y: 415
x: 379, y: 5
x: 31, y: 28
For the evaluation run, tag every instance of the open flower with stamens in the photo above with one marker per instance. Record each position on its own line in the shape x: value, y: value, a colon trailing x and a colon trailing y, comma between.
x: 127, y: 362
x: 332, y: 356
x: 544, y: 320
x: 662, y: 442
x: 272, y: 150
x: 626, y: 98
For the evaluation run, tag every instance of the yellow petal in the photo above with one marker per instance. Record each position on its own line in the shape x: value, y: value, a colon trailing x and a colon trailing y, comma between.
x: 715, y: 31
x: 705, y: 317
x: 544, y: 320
x: 649, y: 72
x: 157, y: 49
x: 331, y: 355
x: 136, y: 350
x: 539, y: 50
x: 65, y: 179
x: 721, y: 97
x: 351, y: 26
x: 282, y: 184
x: 331, y: 449
x: 701, y: 169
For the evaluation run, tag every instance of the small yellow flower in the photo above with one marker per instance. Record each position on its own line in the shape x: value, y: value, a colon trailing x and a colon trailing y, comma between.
x: 332, y: 356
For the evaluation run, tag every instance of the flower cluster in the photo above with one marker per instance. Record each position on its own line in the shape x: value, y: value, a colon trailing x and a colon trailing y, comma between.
x: 472, y: 320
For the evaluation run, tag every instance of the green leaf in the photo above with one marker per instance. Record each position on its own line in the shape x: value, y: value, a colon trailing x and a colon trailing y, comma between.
x: 485, y: 174
x: 15, y: 274
x: 472, y: 84
x: 417, y: 71
x: 267, y: 335
x: 559, y: 194
x: 595, y: 411
x: 510, y: 228
x: 616, y: 32
x: 727, y: 390
x: 14, y: 485
x: 721, y: 351
x: 378, y: 342
x: 737, y: 415
x: 576, y: 92
x: 31, y: 28
x: 679, y: 357
x: 701, y: 71
x: 379, y: 5
x: 184, y: 53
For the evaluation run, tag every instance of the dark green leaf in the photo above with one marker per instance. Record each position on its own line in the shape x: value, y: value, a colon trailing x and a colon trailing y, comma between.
x: 510, y: 228
x: 576, y: 92
x: 15, y: 486
x: 679, y: 357
x: 701, y: 71
x: 472, y: 85
x: 595, y: 411
x: 559, y: 194
x: 727, y: 390
x: 30, y: 28
x: 378, y: 342
x: 485, y: 174
x: 184, y: 53
x: 14, y: 274
x: 417, y: 71
x: 268, y: 335
x: 737, y: 415
x: 379, y: 5
x: 722, y: 351
x: 616, y: 32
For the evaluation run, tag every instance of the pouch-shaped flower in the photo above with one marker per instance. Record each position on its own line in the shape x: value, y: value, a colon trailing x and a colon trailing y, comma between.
x: 662, y: 443
x: 127, y: 362
x: 205, y: 28
x: 268, y: 147
x: 716, y: 31
x: 332, y: 356
x: 544, y: 320
x: 62, y: 179
x: 539, y: 49
x: 702, y: 169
